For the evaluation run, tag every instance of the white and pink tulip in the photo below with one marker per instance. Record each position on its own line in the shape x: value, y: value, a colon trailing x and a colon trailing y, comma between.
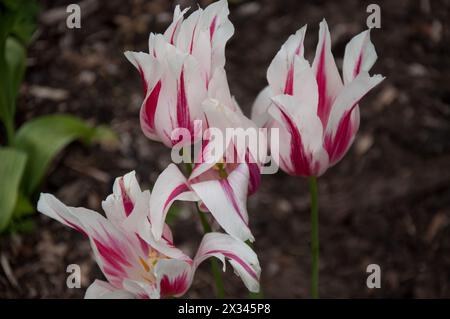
x: 136, y: 264
x: 184, y: 66
x: 317, y: 112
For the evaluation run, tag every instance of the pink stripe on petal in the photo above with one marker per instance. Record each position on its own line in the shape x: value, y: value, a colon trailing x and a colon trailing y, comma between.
x: 237, y: 259
x: 177, y: 191
x: 358, y: 66
x: 289, y: 85
x: 175, y: 286
x: 126, y: 200
x: 231, y: 197
x: 183, y: 116
x: 76, y: 227
x: 336, y: 146
x: 323, y: 109
x: 298, y: 158
x: 212, y: 28
x: 110, y: 256
x: 143, y: 80
x: 150, y: 105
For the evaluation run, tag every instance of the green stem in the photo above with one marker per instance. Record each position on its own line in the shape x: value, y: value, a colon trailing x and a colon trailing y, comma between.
x: 314, y: 238
x: 215, y: 267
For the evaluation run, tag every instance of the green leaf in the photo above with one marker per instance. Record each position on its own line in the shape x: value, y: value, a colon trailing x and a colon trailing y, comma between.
x: 12, y: 165
x: 24, y: 207
x: 15, y: 56
x: 43, y: 138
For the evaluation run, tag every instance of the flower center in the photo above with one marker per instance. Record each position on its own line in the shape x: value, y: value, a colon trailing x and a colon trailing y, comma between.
x: 149, y: 263
x: 220, y: 167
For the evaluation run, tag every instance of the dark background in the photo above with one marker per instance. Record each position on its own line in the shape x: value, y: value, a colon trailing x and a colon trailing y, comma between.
x: 387, y: 202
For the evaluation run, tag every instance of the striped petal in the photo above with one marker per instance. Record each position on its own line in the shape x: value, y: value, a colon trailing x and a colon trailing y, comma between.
x: 341, y: 128
x: 360, y: 55
x: 301, y: 151
x: 241, y: 257
x: 226, y: 200
x: 151, y: 73
x: 170, y: 186
x: 327, y: 75
x: 113, y: 250
x: 280, y: 73
x: 119, y: 205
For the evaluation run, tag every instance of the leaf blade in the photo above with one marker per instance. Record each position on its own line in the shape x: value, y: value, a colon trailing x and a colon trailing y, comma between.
x: 12, y: 167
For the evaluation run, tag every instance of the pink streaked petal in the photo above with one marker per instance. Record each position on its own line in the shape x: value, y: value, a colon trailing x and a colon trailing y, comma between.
x: 342, y: 126
x: 360, y: 55
x: 241, y: 257
x: 112, y: 248
x: 226, y: 200
x: 173, y: 277
x: 172, y: 31
x: 327, y: 75
x: 171, y: 185
x: 119, y: 205
x: 301, y: 144
x: 280, y: 73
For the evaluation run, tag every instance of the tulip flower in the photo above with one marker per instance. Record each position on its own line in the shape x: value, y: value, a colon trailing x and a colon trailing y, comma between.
x: 219, y: 185
x: 317, y: 113
x: 183, y: 67
x: 135, y: 264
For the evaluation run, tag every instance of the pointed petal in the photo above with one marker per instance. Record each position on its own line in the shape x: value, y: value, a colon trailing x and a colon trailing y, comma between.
x: 119, y: 205
x: 151, y: 72
x: 328, y: 79
x: 360, y: 55
x: 341, y: 129
x: 220, y: 29
x: 241, y: 257
x: 170, y: 186
x: 171, y: 32
x: 226, y: 200
x: 113, y: 250
x: 281, y: 69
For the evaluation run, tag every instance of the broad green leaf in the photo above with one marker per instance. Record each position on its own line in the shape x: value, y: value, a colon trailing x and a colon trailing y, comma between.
x: 43, y: 138
x: 23, y: 207
x: 12, y: 165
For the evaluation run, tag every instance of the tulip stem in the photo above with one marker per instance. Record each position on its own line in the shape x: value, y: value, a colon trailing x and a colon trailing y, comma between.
x: 314, y: 238
x: 215, y: 268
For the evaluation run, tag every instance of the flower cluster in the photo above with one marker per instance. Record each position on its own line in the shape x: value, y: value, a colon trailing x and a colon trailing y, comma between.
x: 184, y: 84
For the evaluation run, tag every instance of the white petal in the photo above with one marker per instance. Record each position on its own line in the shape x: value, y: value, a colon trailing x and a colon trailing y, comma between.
x: 282, y: 63
x: 226, y: 200
x: 328, y: 79
x: 360, y: 55
x: 173, y: 277
x: 100, y: 289
x: 120, y: 203
x: 301, y: 137
x: 350, y: 96
x: 240, y: 255
x: 170, y: 186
